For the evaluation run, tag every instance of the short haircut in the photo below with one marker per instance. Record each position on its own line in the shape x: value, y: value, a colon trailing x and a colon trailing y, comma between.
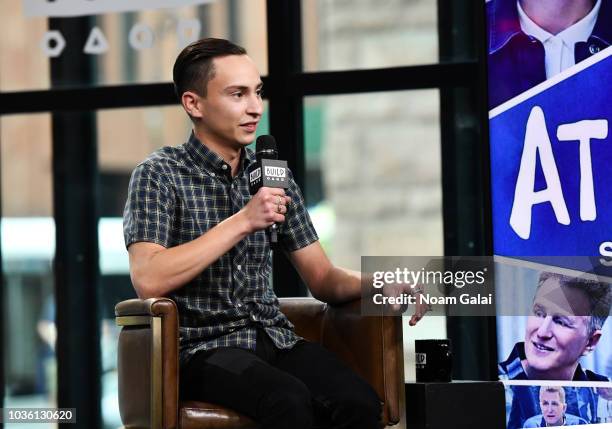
x: 554, y: 389
x: 598, y: 293
x: 193, y: 68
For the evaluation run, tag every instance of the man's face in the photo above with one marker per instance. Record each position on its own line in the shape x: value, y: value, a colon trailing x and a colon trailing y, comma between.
x: 557, y: 331
x: 233, y: 105
x: 552, y: 408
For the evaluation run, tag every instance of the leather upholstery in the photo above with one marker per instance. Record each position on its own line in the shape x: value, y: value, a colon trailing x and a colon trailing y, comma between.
x: 134, y: 357
x: 135, y: 380
x: 372, y: 346
x: 201, y: 415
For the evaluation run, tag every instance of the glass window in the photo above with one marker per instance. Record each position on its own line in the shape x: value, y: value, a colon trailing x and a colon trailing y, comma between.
x: 341, y: 34
x: 373, y: 181
x: 125, y: 47
x: 28, y: 248
x: 22, y: 63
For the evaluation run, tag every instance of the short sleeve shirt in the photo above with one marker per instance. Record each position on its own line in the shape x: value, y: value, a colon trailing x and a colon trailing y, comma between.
x: 176, y: 195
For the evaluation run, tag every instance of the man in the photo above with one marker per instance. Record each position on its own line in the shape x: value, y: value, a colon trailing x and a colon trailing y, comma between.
x: 532, y: 40
x: 568, y: 314
x: 195, y: 234
x: 553, y: 406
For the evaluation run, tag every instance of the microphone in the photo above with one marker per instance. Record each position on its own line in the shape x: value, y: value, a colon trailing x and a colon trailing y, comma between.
x: 268, y: 171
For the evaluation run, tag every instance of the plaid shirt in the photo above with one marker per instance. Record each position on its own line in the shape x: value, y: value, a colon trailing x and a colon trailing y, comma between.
x: 175, y: 196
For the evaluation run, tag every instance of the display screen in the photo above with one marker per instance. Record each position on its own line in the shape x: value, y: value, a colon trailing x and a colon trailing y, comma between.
x: 550, y: 103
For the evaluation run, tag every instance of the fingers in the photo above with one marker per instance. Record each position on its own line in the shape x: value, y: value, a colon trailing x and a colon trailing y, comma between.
x: 273, y: 204
x: 419, y: 312
x: 415, y: 318
x: 275, y: 195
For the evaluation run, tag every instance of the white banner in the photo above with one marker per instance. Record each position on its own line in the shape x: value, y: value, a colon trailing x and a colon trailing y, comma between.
x: 63, y: 8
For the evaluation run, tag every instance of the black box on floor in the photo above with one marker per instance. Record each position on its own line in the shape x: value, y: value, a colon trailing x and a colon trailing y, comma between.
x: 456, y: 405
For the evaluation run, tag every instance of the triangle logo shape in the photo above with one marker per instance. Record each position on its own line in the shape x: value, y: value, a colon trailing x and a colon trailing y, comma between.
x: 96, y: 42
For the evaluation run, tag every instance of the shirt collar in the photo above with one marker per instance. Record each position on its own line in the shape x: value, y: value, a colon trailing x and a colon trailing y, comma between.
x: 603, y: 29
x: 503, y: 23
x: 578, y: 32
x: 211, y: 161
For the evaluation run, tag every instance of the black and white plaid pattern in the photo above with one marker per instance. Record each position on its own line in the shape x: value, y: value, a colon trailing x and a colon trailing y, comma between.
x: 175, y: 196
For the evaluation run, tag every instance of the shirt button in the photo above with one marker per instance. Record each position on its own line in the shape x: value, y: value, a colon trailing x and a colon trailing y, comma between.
x: 212, y: 174
x: 239, y: 305
x: 593, y: 49
x: 224, y: 166
x: 239, y: 267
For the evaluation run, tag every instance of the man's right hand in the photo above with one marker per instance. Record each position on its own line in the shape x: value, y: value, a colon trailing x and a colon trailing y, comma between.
x: 268, y: 206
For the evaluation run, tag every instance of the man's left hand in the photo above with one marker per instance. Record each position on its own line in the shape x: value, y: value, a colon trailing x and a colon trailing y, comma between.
x: 396, y: 290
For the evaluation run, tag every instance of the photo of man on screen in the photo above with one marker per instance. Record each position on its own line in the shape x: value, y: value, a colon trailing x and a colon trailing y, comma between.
x: 566, y: 321
x: 568, y: 314
x: 531, y: 41
x: 553, y: 410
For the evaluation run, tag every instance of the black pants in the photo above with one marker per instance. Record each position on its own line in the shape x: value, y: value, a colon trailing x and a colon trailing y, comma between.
x: 304, y: 387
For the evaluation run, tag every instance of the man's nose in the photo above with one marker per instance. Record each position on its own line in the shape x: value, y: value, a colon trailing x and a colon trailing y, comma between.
x: 255, y: 105
x: 544, y: 330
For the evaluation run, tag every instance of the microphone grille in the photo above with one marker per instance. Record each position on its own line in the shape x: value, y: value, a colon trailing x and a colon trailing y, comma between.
x: 265, y: 142
x: 265, y: 147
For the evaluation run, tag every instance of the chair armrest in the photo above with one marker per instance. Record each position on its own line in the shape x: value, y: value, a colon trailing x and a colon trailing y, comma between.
x: 148, y: 362
x: 146, y: 307
x: 306, y: 314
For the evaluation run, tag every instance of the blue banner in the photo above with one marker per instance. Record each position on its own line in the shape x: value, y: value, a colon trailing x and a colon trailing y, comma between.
x: 551, y: 167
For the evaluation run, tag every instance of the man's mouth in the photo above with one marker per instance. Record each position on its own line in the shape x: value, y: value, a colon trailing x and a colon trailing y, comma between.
x: 249, y: 126
x: 542, y: 347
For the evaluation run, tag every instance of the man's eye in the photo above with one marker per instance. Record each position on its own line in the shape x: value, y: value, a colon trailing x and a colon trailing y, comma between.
x: 237, y: 94
x: 538, y: 312
x: 260, y: 92
x: 562, y: 321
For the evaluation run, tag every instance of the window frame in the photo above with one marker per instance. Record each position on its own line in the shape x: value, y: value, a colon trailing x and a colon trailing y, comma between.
x: 465, y: 180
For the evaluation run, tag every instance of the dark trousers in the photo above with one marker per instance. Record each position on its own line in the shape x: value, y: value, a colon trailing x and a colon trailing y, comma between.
x: 304, y: 387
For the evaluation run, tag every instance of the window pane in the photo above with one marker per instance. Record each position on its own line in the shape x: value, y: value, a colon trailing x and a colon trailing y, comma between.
x: 341, y: 34
x: 125, y: 138
x: 244, y: 22
x: 125, y: 47
x: 373, y: 182
x: 28, y: 248
x: 22, y: 63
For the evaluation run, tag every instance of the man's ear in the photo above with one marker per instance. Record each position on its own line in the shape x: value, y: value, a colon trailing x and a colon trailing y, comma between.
x: 592, y: 342
x: 191, y: 103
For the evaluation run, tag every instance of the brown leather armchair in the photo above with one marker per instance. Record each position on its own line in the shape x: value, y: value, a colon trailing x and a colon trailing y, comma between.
x: 148, y: 361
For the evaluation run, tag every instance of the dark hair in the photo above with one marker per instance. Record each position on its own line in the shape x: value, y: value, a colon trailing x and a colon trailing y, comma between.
x: 598, y: 293
x: 193, y: 68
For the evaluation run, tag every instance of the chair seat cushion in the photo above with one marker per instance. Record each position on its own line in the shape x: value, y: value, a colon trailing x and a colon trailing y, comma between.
x: 204, y: 415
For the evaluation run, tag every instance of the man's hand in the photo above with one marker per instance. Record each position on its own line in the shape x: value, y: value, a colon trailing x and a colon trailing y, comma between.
x: 421, y: 308
x: 268, y: 206
x: 396, y: 290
